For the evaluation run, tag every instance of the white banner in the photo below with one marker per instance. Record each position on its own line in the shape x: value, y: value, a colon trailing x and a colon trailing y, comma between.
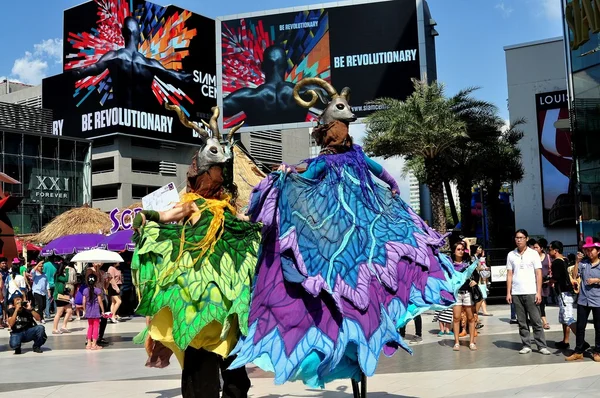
x: 164, y: 198
x: 498, y: 273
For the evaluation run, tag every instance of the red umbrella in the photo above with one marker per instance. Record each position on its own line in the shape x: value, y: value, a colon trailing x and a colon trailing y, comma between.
x: 30, y: 246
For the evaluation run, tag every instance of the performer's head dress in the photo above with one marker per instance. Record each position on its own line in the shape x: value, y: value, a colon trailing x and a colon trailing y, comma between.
x: 344, y: 263
x: 194, y: 278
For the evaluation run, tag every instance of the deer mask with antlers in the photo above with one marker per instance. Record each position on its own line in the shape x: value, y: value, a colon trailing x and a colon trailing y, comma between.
x: 214, y: 151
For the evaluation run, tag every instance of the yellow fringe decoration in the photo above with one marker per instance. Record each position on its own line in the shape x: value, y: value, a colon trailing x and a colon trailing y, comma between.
x: 215, y: 230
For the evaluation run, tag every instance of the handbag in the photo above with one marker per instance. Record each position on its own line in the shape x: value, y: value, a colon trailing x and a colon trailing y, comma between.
x: 476, y: 294
x: 483, y: 290
x: 63, y: 297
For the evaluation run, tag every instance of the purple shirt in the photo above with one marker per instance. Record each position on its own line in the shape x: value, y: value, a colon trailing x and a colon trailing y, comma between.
x: 92, y: 307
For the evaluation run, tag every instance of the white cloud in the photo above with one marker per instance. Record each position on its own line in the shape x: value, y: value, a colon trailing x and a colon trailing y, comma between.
x: 52, y: 48
x: 551, y: 9
x: 33, y: 66
x: 30, y: 69
x: 505, y: 10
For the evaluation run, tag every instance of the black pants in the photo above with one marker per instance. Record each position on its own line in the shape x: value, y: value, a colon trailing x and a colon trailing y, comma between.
x: 200, y: 376
x: 542, y: 306
x: 583, y: 313
x: 418, y: 327
x: 39, y: 304
x: 103, y: 321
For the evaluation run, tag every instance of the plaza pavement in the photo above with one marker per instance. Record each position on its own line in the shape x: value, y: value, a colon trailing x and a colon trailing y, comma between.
x: 495, y: 370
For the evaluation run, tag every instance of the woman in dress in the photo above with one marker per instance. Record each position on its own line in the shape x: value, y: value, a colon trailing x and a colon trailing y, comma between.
x: 466, y: 299
x: 344, y: 263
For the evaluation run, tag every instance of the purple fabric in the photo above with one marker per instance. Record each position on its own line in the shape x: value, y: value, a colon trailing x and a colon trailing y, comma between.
x: 92, y: 307
x: 119, y: 241
x: 388, y: 179
x: 71, y: 244
x: 353, y: 158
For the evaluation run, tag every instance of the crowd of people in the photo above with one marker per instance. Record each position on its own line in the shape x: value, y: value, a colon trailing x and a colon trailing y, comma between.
x: 58, y: 291
x: 538, y: 274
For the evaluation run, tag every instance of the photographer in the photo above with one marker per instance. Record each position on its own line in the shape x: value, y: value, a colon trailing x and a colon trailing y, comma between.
x: 21, y: 319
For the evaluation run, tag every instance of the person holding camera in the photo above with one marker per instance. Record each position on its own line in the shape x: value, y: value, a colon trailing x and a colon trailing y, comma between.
x: 21, y: 319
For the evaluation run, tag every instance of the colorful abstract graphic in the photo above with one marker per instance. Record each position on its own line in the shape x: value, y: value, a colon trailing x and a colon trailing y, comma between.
x: 163, y: 38
x: 244, y: 42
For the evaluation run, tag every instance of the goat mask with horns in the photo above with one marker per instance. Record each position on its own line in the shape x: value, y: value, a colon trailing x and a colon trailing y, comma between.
x: 334, y: 121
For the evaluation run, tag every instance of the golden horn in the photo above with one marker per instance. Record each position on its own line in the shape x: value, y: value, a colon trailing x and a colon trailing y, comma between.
x: 312, y: 80
x: 184, y: 120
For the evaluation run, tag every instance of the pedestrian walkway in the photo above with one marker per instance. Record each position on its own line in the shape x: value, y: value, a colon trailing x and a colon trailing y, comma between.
x: 434, y: 370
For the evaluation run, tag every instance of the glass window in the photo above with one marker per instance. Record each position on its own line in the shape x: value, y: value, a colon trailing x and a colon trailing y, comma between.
x: 139, y: 191
x: 49, y: 147
x: 104, y: 165
x: 67, y: 150
x: 31, y: 145
x: 12, y: 143
x: 45, y: 185
x: 48, y: 213
x: 16, y: 220
x: 145, y: 166
x: 32, y: 218
x: 81, y: 151
x: 12, y: 167
x: 69, y: 184
x: 31, y: 169
x: 105, y: 192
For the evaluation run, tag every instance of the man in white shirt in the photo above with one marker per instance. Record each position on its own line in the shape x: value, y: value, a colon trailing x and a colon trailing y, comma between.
x: 524, y: 289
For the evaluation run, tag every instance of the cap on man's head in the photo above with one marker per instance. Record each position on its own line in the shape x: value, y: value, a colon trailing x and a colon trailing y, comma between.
x: 33, y: 262
x: 16, y: 261
x: 15, y: 295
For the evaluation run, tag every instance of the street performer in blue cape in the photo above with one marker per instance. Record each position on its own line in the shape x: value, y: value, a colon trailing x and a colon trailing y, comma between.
x: 344, y: 261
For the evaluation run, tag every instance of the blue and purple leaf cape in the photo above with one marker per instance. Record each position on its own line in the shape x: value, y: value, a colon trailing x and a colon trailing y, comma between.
x: 343, y: 265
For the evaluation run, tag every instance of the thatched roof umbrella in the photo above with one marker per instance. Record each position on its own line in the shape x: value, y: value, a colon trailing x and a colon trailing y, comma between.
x: 82, y: 220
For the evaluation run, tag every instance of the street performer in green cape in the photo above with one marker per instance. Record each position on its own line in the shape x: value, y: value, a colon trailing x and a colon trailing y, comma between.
x: 194, y: 276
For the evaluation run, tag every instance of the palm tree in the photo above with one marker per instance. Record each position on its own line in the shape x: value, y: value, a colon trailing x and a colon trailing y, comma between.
x: 467, y: 160
x: 503, y: 165
x: 420, y: 128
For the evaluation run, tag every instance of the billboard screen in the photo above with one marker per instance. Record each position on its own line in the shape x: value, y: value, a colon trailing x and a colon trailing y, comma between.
x: 556, y: 159
x: 123, y: 59
x: 371, y: 48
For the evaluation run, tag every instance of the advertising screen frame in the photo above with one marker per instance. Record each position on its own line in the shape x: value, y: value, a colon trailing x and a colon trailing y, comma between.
x: 545, y: 103
x: 189, y: 73
x: 422, y: 50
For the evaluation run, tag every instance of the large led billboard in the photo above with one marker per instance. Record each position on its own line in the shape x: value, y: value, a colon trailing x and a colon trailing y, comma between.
x: 123, y: 59
x: 371, y: 48
x: 556, y: 159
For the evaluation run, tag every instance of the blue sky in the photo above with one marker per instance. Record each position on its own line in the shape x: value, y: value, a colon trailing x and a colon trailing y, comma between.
x: 469, y: 47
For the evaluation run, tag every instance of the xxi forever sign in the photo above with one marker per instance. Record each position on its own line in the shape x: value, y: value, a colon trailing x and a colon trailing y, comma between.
x: 53, y: 187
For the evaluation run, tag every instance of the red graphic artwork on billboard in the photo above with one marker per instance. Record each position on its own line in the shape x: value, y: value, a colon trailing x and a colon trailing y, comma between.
x: 556, y: 159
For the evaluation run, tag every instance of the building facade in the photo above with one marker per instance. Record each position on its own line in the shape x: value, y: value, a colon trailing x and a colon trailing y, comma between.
x: 581, y: 46
x: 544, y: 201
x: 54, y: 172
